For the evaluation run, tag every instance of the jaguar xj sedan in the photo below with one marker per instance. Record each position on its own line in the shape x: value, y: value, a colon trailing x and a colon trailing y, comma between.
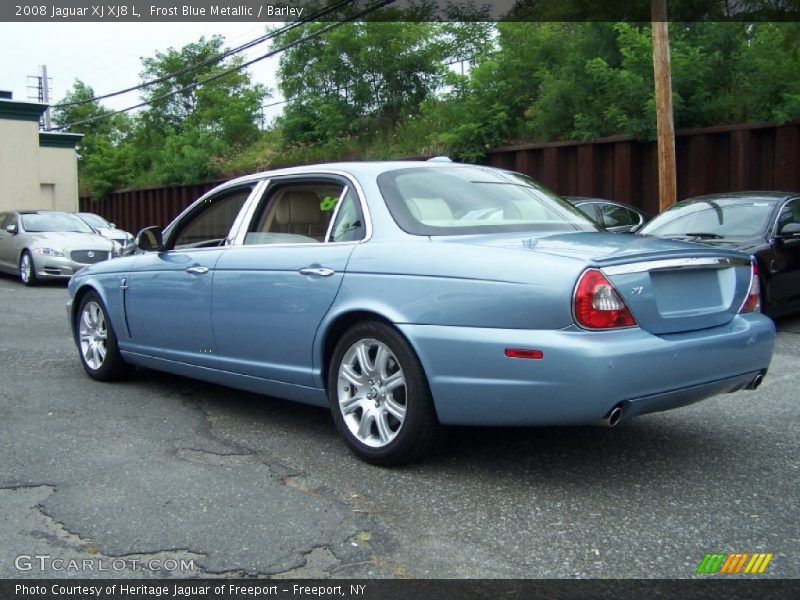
x: 412, y: 296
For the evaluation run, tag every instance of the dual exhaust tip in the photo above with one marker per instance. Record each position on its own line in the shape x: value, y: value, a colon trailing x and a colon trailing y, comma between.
x: 614, y: 416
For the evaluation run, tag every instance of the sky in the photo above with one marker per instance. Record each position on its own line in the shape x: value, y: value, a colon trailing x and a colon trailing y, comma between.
x: 107, y: 56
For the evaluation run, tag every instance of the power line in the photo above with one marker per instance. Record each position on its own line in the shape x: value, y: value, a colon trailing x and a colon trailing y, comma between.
x: 269, y: 54
x: 213, y: 59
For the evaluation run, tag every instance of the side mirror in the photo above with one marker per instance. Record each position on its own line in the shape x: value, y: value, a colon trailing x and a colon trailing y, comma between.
x: 12, y: 229
x: 789, y: 231
x: 149, y: 239
x: 113, y: 226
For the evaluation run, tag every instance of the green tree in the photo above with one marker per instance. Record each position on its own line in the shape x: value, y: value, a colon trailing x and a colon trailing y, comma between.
x: 363, y: 77
x: 185, y: 126
x: 102, y: 152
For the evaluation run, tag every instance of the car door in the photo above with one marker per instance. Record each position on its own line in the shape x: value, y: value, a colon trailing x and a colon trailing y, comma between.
x: 275, y: 285
x: 8, y: 243
x: 785, y: 265
x: 168, y: 295
x: 4, y: 235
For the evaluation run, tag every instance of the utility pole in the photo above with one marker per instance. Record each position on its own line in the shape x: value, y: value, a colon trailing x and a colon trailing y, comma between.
x: 46, y: 96
x: 667, y: 186
x: 40, y: 92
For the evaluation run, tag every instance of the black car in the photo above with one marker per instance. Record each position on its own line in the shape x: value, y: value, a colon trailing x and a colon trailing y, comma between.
x: 763, y: 224
x: 611, y: 215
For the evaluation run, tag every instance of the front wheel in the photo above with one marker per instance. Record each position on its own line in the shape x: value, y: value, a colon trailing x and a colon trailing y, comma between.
x: 27, y: 270
x: 380, y: 399
x: 97, y: 342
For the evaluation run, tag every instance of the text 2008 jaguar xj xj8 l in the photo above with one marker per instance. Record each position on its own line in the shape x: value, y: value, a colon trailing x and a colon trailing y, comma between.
x: 410, y: 296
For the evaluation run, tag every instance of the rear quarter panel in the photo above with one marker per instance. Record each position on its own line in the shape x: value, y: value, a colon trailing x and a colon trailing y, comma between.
x: 421, y: 282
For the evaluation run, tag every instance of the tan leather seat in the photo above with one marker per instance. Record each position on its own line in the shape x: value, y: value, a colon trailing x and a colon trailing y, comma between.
x: 299, y: 212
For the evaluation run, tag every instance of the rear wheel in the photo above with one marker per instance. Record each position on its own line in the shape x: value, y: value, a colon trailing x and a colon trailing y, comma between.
x: 97, y: 342
x: 27, y: 270
x: 379, y: 395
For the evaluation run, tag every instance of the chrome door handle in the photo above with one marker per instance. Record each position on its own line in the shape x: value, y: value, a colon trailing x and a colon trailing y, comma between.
x: 320, y: 271
x: 197, y: 270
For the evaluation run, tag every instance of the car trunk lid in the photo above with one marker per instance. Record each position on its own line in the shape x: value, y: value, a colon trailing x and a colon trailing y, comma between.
x: 670, y: 295
x: 670, y: 286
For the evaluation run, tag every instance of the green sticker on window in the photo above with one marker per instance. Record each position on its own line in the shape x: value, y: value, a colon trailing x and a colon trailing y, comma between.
x: 328, y: 202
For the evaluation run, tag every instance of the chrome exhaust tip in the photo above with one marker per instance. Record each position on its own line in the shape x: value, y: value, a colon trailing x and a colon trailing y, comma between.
x: 757, y: 380
x: 612, y: 418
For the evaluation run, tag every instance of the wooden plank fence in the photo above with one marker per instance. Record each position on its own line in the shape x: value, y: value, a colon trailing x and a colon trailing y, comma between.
x: 754, y: 156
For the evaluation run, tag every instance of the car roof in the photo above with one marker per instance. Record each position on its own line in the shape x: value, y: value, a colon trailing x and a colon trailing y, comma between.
x: 761, y: 195
x: 365, y: 168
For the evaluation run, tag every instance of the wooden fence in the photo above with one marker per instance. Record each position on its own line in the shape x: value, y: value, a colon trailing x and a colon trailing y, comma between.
x: 760, y: 156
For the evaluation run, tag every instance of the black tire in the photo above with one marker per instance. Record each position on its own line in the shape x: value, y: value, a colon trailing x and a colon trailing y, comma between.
x: 27, y: 274
x: 110, y: 365
x: 397, y: 441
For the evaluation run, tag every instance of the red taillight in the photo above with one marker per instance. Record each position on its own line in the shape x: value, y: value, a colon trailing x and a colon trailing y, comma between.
x: 598, y: 305
x: 753, y: 301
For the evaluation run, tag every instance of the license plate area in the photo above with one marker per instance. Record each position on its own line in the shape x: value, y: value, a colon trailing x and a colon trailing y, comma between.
x: 692, y: 291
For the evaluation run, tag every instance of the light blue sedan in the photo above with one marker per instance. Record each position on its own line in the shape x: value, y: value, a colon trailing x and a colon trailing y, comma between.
x: 410, y: 296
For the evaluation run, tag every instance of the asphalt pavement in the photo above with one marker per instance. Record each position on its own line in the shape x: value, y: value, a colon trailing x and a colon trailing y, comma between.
x: 161, y: 476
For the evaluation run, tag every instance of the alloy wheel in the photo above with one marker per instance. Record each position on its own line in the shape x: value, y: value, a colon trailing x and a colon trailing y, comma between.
x: 25, y: 268
x: 93, y: 335
x: 372, y: 392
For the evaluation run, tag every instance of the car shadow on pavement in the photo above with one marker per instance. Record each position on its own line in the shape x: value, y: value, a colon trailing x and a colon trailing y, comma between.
x: 47, y: 283
x: 653, y: 448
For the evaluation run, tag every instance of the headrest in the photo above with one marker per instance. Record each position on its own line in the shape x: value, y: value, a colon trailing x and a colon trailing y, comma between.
x: 429, y: 209
x: 298, y: 207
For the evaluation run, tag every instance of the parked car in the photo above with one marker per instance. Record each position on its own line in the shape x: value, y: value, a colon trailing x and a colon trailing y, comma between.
x: 42, y: 244
x: 611, y: 214
x: 408, y: 296
x: 109, y: 230
x: 763, y: 224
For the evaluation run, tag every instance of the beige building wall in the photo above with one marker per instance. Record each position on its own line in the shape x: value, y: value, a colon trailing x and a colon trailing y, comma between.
x: 58, y: 178
x: 19, y: 164
x: 38, y: 170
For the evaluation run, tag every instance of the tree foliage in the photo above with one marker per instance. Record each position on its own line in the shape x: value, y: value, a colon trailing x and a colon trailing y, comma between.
x: 549, y: 81
x: 186, y: 128
x: 365, y: 76
x: 387, y: 88
x: 102, y: 152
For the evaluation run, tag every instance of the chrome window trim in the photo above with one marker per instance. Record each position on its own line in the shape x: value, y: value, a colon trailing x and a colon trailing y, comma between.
x: 247, y: 212
x: 250, y: 211
x: 237, y: 222
x: 704, y: 262
x: 335, y: 215
x: 222, y: 188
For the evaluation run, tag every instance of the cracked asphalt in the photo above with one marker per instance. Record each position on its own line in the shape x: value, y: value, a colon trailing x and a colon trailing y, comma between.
x: 160, y: 469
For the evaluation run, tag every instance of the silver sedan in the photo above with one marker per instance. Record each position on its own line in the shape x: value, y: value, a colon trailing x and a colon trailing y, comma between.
x: 41, y: 244
x: 109, y: 230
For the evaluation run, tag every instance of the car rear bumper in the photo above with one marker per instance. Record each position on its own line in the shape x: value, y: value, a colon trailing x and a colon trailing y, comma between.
x: 583, y: 375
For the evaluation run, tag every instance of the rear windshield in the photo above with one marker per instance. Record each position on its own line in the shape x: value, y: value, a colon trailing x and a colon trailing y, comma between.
x: 729, y: 219
x: 55, y: 222
x: 462, y: 200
